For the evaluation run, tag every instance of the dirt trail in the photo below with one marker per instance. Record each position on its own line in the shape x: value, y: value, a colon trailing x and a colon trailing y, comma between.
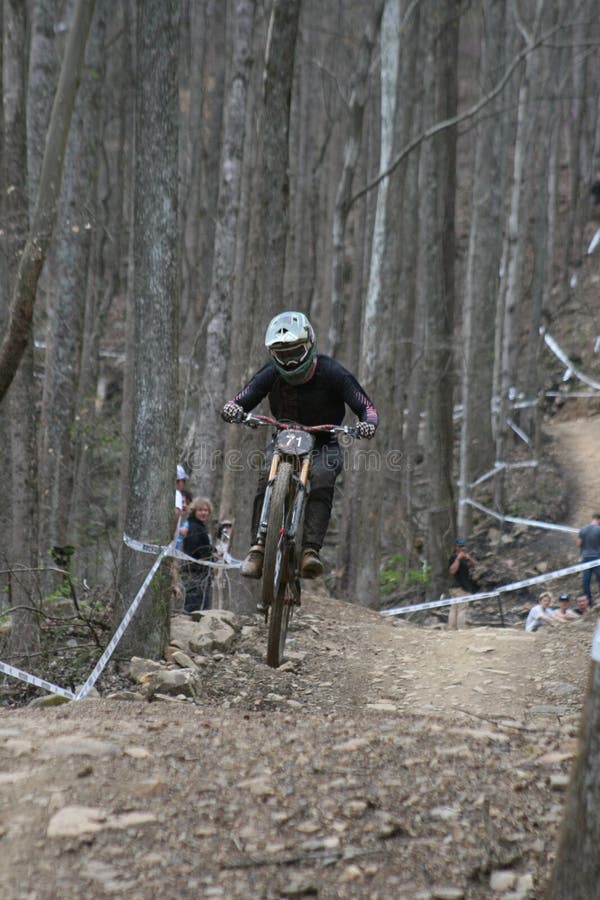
x: 382, y: 761
x: 577, y: 444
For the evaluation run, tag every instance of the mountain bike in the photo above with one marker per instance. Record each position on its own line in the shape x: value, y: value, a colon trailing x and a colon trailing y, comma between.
x: 281, y: 521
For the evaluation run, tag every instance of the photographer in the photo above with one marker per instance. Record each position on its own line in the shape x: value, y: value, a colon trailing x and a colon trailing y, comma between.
x: 459, y: 566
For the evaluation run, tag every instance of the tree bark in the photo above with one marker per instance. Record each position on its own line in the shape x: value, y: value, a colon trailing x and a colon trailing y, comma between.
x: 67, y: 303
x: 21, y: 530
x: 152, y: 461
x: 36, y: 249
x: 358, y: 100
x: 481, y: 277
x: 210, y: 437
x: 576, y: 871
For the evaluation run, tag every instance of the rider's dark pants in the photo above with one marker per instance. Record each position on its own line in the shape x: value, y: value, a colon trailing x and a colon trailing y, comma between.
x: 326, y: 465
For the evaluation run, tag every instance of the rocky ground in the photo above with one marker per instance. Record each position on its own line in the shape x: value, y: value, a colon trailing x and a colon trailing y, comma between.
x: 384, y: 759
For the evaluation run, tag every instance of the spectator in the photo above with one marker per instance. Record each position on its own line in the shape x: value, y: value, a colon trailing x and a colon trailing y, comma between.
x: 582, y: 604
x: 541, y: 614
x: 197, y: 579
x: 589, y: 543
x: 182, y: 530
x: 564, y: 613
x: 460, y: 565
x: 180, y: 480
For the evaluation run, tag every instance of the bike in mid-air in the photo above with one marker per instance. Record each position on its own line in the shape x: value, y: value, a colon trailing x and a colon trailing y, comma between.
x: 281, y: 520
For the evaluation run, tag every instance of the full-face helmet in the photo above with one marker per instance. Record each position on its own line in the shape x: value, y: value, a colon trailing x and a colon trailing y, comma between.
x: 290, y: 339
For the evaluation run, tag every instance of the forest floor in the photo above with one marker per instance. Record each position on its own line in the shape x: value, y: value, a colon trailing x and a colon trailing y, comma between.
x: 384, y: 760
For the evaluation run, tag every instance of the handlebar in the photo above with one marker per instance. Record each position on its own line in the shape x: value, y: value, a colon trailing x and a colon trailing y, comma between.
x: 253, y: 421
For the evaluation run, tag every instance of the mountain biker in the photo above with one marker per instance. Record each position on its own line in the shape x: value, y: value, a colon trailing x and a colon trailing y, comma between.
x: 310, y: 389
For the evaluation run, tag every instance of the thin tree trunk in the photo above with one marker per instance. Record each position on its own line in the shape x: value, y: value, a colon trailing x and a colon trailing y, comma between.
x: 35, y: 251
x: 437, y: 249
x: 152, y: 460
x: 71, y: 252
x: 210, y: 439
x: 21, y: 532
x: 576, y: 871
x: 358, y: 101
x: 481, y: 279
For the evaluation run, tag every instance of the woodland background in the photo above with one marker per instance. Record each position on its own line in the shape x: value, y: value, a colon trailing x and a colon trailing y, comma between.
x: 413, y: 175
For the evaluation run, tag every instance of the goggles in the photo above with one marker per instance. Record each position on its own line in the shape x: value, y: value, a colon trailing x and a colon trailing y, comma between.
x: 290, y: 357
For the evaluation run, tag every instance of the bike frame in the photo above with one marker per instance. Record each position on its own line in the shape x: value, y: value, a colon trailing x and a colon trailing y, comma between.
x: 295, y: 443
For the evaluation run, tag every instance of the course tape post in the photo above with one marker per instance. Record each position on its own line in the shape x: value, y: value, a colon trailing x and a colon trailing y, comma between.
x: 486, y: 595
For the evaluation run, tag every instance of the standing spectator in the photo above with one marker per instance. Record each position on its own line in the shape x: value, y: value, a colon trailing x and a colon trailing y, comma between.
x: 197, y: 579
x: 564, y: 613
x: 460, y: 565
x: 589, y: 543
x: 180, y: 480
x: 541, y: 614
x: 182, y: 530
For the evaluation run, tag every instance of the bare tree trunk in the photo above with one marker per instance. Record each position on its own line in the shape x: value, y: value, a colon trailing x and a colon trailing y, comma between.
x: 24, y: 636
x: 511, y: 289
x: 201, y: 155
x: 106, y: 283
x: 35, y: 251
x: 481, y: 279
x: 71, y: 252
x: 152, y: 458
x: 210, y: 437
x: 42, y: 77
x: 358, y: 100
x: 437, y: 243
x: 377, y: 323
x: 576, y: 871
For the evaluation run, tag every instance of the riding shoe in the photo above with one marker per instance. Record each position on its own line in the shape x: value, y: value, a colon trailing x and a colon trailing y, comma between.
x: 253, y: 563
x: 310, y: 564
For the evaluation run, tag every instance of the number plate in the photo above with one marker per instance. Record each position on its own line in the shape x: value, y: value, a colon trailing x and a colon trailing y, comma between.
x: 295, y: 443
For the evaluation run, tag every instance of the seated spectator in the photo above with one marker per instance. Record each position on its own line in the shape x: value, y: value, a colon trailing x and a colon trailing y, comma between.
x: 582, y: 604
x: 541, y: 614
x: 564, y: 613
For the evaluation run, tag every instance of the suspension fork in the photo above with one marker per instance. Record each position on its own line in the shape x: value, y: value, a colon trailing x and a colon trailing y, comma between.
x: 300, y: 498
x: 264, y: 513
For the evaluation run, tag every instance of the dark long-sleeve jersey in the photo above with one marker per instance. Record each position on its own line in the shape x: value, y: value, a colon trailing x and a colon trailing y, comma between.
x: 321, y: 400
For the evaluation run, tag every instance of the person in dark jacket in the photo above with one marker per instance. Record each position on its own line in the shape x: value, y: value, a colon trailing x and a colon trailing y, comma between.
x: 197, y: 579
x: 311, y: 389
x: 460, y: 566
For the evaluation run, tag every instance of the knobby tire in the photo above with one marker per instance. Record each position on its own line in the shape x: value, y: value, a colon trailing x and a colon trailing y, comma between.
x: 275, y: 574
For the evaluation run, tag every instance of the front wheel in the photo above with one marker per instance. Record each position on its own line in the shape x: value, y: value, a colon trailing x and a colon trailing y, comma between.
x: 275, y: 592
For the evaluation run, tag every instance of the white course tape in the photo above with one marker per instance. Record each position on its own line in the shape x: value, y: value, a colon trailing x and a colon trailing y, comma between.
x: 519, y: 431
x: 33, y: 679
x: 228, y: 561
x: 486, y: 595
x: 499, y: 466
x: 100, y: 665
x: 517, y: 520
x: 560, y: 353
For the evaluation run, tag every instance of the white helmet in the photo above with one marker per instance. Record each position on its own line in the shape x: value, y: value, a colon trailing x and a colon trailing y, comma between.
x: 290, y: 339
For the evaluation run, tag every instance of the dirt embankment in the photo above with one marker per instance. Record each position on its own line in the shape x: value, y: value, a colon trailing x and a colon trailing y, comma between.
x: 383, y: 760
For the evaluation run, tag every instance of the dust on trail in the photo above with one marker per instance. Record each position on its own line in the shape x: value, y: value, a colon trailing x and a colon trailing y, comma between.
x: 577, y: 447
x: 385, y: 761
